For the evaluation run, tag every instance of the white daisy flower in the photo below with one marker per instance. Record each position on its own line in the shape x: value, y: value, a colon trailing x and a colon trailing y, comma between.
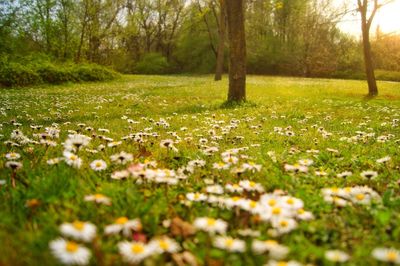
x: 69, y: 252
x: 165, y: 244
x: 135, y: 252
x: 196, y: 196
x: 210, y: 225
x: 336, y: 256
x: 124, y: 225
x: 13, y: 156
x: 72, y: 159
x: 275, y: 250
x: 369, y: 174
x: 98, y: 198
x: 98, y: 165
x: 79, y: 230
x: 387, y: 255
x: 230, y: 244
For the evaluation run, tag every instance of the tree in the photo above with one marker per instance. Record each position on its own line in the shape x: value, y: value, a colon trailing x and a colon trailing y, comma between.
x: 221, y: 41
x: 367, y: 16
x: 237, y: 50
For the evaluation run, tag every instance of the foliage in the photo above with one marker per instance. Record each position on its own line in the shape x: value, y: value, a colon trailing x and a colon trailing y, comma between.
x: 34, y: 72
x: 152, y: 63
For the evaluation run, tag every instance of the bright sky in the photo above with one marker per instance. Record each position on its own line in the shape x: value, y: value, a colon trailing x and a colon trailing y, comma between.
x: 388, y: 18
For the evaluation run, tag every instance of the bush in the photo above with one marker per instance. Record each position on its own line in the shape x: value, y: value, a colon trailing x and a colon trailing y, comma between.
x: 14, y: 74
x: 152, y: 63
x: 387, y: 75
x: 55, y: 75
x: 93, y: 73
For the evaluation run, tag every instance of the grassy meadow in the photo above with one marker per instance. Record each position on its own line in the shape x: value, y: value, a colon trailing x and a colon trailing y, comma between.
x: 308, y: 163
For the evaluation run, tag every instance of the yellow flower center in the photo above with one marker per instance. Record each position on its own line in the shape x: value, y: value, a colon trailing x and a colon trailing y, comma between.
x: 271, y: 202
x: 137, y: 248
x: 290, y: 201
x: 196, y: 196
x: 98, y: 196
x: 78, y: 225
x: 121, y: 220
x: 276, y: 211
x: 391, y: 256
x: 253, y: 204
x: 360, y: 196
x: 73, y: 157
x: 300, y: 211
x: 252, y: 184
x: 71, y: 247
x: 98, y: 164
x: 229, y: 242
x: 282, y: 263
x: 211, y: 222
x: 271, y: 242
x: 235, y: 199
x: 163, y: 244
x: 284, y: 223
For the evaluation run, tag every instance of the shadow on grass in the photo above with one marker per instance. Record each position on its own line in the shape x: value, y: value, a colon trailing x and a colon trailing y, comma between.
x: 239, y: 104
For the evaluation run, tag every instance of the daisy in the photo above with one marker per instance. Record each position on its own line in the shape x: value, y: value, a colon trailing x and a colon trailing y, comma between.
x: 168, y: 144
x: 134, y: 252
x: 282, y: 263
x: 230, y: 244
x: 98, y: 198
x: 69, y: 252
x: 387, y: 255
x: 369, y: 174
x: 216, y: 189
x: 76, y: 141
x: 221, y: 166
x: 196, y: 196
x: 13, y: 165
x: 336, y: 256
x: 251, y: 186
x: 210, y: 225
x: 72, y: 159
x: 121, y: 158
x: 284, y: 225
x: 98, y: 165
x: 79, y: 230
x: 344, y: 174
x: 123, y: 224
x: 275, y: 250
x: 291, y: 202
x: 12, y: 156
x: 165, y: 244
x: 384, y: 159
x: 234, y: 188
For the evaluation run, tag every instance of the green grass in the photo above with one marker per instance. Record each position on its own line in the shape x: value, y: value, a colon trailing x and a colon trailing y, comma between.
x: 196, y: 103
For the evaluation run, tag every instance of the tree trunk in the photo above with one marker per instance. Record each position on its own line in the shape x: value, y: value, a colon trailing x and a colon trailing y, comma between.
x: 221, y: 45
x: 369, y: 68
x: 237, y: 51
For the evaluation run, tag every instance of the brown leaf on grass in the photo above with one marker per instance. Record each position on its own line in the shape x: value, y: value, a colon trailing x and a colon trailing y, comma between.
x: 181, y: 228
x: 184, y: 258
x: 214, y: 262
x: 143, y: 152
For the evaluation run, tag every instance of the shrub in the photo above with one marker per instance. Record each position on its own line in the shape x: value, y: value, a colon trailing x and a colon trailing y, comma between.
x: 14, y: 74
x: 152, y: 63
x: 55, y: 75
x: 41, y: 71
x: 387, y: 75
x: 93, y: 73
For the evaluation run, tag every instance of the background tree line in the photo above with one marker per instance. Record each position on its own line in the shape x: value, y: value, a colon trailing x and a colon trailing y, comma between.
x: 284, y: 37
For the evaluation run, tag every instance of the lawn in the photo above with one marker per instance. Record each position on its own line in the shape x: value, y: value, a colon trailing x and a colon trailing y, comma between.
x: 308, y: 163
